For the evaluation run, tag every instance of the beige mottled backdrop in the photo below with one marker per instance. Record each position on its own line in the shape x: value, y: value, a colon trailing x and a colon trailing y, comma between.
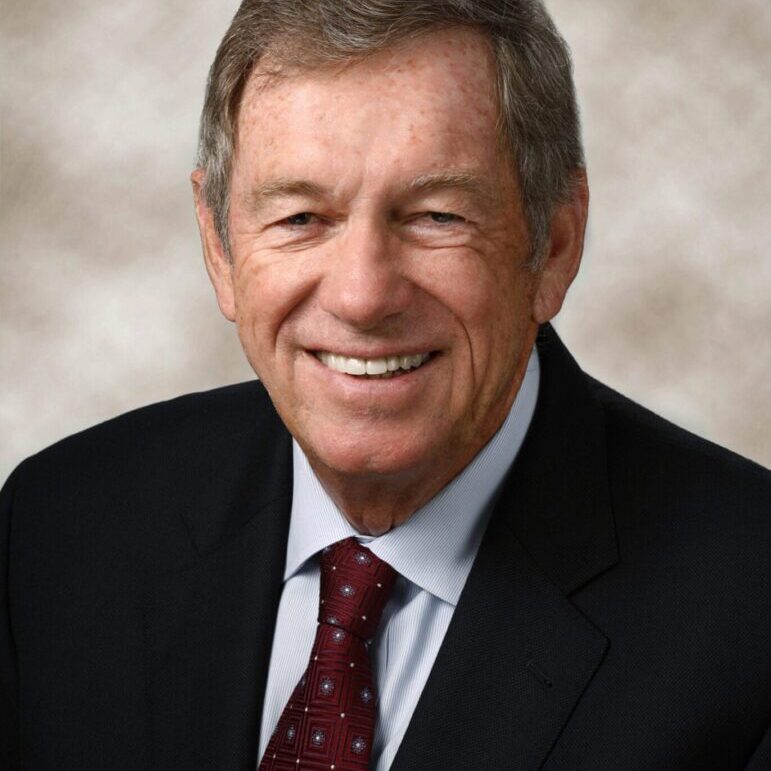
x: 104, y: 301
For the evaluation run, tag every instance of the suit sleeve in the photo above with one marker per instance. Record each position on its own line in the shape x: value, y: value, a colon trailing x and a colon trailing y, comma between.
x: 9, y: 676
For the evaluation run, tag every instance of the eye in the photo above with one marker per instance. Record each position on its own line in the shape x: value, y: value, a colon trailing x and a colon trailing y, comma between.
x: 298, y: 220
x: 444, y: 217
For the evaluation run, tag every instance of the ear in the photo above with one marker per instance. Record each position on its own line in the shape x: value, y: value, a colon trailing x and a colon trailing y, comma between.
x: 564, y: 250
x: 218, y: 264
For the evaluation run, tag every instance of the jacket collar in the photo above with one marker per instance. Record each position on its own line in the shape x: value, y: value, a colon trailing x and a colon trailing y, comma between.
x: 557, y: 502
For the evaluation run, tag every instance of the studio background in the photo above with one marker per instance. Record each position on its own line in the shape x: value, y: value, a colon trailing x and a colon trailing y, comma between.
x: 104, y: 300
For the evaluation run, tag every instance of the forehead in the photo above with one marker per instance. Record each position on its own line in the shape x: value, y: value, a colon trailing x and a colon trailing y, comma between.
x: 433, y: 94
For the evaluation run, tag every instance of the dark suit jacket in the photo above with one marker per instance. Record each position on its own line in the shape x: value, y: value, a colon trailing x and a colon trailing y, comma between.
x: 617, y: 617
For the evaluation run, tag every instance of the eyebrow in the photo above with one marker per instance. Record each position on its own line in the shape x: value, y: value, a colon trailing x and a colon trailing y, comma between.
x: 463, y: 181
x: 283, y: 187
x: 460, y: 180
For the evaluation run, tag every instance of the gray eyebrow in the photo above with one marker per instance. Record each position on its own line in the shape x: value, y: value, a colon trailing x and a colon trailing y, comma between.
x: 284, y: 187
x: 463, y: 180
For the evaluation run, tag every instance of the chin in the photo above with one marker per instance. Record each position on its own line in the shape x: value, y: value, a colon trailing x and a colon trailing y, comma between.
x: 361, y: 456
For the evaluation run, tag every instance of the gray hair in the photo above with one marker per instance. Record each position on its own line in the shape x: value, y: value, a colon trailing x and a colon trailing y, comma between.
x: 538, y: 114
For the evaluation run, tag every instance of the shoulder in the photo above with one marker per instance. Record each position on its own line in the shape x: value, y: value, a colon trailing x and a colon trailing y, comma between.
x: 680, y: 500
x: 132, y: 479
x: 642, y: 444
x: 168, y: 430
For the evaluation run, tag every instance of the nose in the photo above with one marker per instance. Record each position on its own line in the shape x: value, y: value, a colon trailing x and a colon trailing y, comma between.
x: 364, y: 286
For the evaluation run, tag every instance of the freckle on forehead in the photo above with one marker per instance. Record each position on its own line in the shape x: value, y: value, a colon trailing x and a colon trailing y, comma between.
x: 445, y: 71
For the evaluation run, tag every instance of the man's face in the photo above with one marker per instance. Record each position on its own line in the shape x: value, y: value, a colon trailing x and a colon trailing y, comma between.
x: 373, y: 225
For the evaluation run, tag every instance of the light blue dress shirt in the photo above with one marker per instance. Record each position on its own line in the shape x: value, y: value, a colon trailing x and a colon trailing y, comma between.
x: 433, y: 552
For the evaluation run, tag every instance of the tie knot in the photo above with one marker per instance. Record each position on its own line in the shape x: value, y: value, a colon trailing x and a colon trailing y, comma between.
x: 355, y: 587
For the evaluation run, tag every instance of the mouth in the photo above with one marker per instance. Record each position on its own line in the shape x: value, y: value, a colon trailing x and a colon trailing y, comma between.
x: 375, y: 369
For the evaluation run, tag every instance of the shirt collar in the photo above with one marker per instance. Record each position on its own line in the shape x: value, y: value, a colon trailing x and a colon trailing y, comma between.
x: 436, y: 546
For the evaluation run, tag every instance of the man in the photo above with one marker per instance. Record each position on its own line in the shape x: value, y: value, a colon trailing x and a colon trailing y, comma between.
x: 525, y: 570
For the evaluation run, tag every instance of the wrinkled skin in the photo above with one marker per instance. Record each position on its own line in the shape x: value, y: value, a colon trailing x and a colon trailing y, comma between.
x: 372, y: 214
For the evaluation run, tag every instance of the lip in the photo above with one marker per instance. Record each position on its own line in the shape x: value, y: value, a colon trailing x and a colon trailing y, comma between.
x: 357, y: 386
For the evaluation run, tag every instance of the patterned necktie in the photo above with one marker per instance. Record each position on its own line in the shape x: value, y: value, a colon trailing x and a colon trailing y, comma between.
x: 329, y: 721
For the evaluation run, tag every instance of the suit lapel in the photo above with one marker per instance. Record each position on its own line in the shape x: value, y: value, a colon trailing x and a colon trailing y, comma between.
x: 516, y: 658
x: 209, y: 625
x: 518, y: 654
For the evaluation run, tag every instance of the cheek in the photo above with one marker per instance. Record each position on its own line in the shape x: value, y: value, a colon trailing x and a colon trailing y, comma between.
x: 481, y: 295
x: 268, y: 292
x: 489, y: 299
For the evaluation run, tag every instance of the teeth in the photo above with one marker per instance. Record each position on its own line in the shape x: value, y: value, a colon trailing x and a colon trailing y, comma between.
x: 376, y: 366
x: 383, y: 367
x: 355, y: 366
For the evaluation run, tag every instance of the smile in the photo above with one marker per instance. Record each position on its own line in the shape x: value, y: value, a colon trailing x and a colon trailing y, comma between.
x: 385, y: 367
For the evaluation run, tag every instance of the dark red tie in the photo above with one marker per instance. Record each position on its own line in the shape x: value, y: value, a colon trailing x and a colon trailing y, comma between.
x: 329, y: 721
